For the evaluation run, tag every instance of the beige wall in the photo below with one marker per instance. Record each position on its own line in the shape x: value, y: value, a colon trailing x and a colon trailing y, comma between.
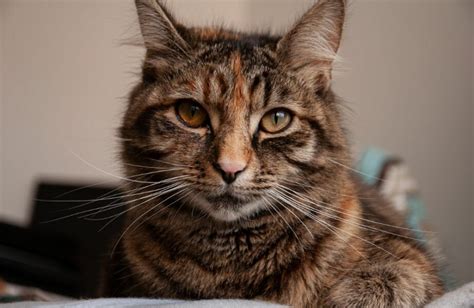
x: 2, y: 10
x: 410, y: 86
x: 406, y: 76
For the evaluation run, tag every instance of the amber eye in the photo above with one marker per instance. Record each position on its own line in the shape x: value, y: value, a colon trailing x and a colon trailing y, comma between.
x: 276, y: 121
x: 191, y: 113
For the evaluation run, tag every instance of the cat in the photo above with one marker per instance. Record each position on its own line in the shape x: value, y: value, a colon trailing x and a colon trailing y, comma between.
x: 238, y: 185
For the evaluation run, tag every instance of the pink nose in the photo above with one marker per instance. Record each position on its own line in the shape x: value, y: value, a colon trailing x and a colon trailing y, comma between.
x: 229, y: 169
x: 231, y: 166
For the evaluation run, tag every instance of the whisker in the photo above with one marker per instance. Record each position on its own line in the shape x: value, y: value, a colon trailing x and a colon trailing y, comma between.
x: 177, y: 178
x: 95, y: 211
x: 169, y: 163
x: 299, y: 219
x: 338, y: 211
x: 116, y: 195
x: 361, y: 238
x: 165, y: 190
x: 188, y: 191
x: 327, y: 226
x: 137, y: 219
x: 103, y: 227
x: 355, y: 170
x: 108, y: 173
x: 114, y: 217
x: 283, y: 218
x: 155, y: 168
x: 340, y: 219
x: 303, y: 183
x: 331, y: 228
x: 84, y: 187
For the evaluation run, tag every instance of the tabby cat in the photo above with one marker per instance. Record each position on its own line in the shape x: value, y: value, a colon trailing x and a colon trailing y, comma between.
x: 238, y: 185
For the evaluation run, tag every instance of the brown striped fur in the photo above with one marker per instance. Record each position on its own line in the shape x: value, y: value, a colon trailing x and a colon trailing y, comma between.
x: 295, y: 227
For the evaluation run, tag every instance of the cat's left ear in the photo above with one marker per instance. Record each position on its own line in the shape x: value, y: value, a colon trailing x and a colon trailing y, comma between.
x: 310, y: 48
x: 160, y: 33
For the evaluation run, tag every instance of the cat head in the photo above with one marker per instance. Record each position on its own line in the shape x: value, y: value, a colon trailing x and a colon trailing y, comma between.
x: 226, y: 121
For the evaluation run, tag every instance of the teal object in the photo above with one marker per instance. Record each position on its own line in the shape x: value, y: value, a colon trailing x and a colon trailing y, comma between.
x: 415, y: 216
x: 370, y: 165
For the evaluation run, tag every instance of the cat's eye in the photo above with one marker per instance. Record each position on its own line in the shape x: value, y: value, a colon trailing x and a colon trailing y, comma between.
x: 191, y: 113
x: 276, y: 121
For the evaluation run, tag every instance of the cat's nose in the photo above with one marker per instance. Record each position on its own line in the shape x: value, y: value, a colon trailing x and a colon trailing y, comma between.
x: 230, y: 169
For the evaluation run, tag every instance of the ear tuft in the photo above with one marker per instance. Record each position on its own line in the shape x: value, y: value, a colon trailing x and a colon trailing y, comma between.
x: 310, y: 48
x: 159, y: 31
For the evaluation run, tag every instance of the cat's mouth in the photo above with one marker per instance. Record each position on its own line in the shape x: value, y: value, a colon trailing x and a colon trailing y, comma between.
x: 228, y: 206
x: 226, y: 199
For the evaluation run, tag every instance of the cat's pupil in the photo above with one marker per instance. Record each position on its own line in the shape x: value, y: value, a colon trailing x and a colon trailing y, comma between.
x: 194, y: 110
x: 277, y: 117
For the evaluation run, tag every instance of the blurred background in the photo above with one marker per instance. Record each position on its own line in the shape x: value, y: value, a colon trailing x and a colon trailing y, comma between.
x: 406, y: 78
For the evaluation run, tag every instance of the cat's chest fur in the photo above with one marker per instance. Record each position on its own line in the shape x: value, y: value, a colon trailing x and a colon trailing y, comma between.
x: 268, y: 261
x: 234, y: 262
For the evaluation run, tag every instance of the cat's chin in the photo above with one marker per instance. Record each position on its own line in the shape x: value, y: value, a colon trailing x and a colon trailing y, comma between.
x: 220, y: 209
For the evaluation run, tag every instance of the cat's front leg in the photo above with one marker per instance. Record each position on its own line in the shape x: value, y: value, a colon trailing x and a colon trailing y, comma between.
x: 403, y: 283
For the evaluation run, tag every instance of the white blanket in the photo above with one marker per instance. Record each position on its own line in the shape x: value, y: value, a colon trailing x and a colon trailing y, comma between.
x: 136, y: 302
x: 460, y: 298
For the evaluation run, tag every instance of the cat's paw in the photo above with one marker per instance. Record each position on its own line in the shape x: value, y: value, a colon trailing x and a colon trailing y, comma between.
x: 397, y: 284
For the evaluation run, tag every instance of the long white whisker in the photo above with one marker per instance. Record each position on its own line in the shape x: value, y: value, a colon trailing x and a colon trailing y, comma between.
x: 113, y: 219
x: 177, y: 178
x: 326, y: 224
x: 149, y: 193
x: 140, y: 217
x: 356, y: 223
x: 170, y: 163
x: 155, y: 167
x: 283, y: 218
x: 116, y: 216
x: 95, y: 211
x: 299, y: 219
x: 369, y: 242
x: 108, y: 173
x: 302, y: 183
x: 156, y: 193
x: 85, y: 187
x: 320, y: 204
x: 355, y: 170
x: 186, y: 191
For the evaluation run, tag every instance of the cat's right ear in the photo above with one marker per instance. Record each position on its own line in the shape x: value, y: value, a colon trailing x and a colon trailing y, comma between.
x: 163, y: 42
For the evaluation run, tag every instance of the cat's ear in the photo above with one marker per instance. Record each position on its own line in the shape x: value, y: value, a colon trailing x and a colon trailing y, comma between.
x: 160, y: 32
x: 309, y: 49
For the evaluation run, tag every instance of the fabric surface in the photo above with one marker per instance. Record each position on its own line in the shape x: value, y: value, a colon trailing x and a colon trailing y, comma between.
x: 135, y: 302
x: 459, y: 298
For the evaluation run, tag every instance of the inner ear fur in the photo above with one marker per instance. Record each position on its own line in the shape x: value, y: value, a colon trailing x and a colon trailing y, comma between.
x: 310, y: 48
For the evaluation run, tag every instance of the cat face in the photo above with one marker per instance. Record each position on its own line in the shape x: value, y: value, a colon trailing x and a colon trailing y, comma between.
x: 222, y: 119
